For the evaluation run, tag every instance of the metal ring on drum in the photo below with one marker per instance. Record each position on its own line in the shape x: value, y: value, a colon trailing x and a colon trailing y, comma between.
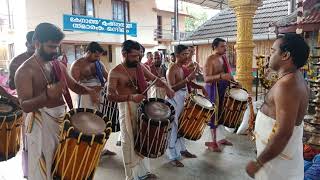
x: 155, y: 116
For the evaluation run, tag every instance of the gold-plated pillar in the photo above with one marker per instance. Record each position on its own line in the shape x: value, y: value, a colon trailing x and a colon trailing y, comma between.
x: 245, y: 10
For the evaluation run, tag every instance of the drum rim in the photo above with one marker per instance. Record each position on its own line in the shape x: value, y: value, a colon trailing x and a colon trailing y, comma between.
x: 156, y: 121
x: 86, y: 137
x: 237, y: 99
x: 13, y: 115
x: 209, y: 108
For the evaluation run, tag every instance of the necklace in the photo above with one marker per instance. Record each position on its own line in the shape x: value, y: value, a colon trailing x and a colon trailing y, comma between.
x: 133, y: 84
x: 49, y: 85
x: 285, y: 74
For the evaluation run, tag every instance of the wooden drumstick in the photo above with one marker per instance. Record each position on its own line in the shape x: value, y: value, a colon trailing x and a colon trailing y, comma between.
x: 153, y: 82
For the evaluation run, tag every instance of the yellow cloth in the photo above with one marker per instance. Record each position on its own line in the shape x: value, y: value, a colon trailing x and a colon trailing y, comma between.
x: 289, y: 164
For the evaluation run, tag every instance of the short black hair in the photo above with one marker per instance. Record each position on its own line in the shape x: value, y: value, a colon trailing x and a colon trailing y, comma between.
x: 94, y: 47
x: 29, y: 36
x: 296, y: 46
x: 172, y: 54
x: 179, y: 49
x: 216, y: 42
x: 129, y: 45
x: 143, y: 49
x: 45, y: 32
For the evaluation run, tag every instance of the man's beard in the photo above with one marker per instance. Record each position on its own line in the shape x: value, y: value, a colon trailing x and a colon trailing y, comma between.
x: 45, y: 56
x: 131, y: 64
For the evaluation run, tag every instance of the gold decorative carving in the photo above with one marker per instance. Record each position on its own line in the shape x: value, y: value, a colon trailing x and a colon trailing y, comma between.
x: 245, y: 10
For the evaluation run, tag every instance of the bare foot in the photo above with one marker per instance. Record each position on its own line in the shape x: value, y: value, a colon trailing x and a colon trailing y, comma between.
x: 151, y: 176
x: 225, y: 142
x: 176, y: 163
x: 108, y: 153
x: 213, y: 146
x: 187, y: 154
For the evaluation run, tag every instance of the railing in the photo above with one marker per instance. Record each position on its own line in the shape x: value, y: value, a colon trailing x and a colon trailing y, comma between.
x: 168, y: 35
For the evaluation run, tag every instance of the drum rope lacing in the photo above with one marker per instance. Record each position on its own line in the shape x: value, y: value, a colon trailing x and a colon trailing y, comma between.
x: 84, y: 165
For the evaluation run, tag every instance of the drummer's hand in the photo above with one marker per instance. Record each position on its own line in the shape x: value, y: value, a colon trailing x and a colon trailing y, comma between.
x: 226, y: 76
x: 204, y: 92
x: 94, y: 95
x: 192, y: 76
x: 170, y: 93
x: 137, y: 98
x: 252, y: 168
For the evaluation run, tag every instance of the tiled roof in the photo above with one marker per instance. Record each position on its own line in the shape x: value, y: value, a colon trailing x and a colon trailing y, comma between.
x: 311, y: 15
x: 224, y: 24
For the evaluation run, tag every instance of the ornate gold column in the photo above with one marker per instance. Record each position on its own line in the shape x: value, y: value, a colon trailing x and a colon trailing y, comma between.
x: 245, y: 10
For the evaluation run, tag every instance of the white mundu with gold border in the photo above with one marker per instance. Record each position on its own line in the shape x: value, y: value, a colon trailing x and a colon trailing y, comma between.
x: 289, y: 164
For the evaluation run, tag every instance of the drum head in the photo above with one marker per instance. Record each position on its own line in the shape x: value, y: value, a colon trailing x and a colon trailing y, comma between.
x: 239, y: 94
x: 157, y: 110
x: 202, y: 101
x: 88, y: 123
x: 5, y: 108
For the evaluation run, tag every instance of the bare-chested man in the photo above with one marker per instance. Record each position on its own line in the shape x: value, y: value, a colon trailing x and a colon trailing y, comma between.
x: 178, y: 81
x: 40, y: 95
x: 279, y: 123
x: 217, y: 74
x: 13, y: 66
x: 89, y: 71
x: 125, y: 85
x: 17, y: 61
x: 158, y: 70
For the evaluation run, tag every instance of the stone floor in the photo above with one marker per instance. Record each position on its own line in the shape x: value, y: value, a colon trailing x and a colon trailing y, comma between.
x: 228, y: 165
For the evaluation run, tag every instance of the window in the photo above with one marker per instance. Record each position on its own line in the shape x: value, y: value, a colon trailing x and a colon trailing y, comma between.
x: 117, y: 10
x: 83, y: 7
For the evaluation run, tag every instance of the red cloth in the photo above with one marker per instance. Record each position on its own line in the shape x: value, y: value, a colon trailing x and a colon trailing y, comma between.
x: 226, y: 64
x: 186, y: 73
x: 309, y: 153
x: 142, y: 83
x: 151, y: 68
x: 62, y: 77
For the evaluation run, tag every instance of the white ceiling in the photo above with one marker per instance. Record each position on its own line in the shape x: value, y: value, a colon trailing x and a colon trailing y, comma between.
x: 215, y: 4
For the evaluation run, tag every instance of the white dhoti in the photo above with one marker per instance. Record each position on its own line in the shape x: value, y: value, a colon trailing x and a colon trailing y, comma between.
x: 43, y: 139
x: 289, y: 164
x: 84, y: 100
x: 176, y: 144
x: 136, y: 167
x: 156, y: 92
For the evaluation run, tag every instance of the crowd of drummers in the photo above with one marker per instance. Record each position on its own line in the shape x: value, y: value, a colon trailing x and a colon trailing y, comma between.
x: 155, y: 105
